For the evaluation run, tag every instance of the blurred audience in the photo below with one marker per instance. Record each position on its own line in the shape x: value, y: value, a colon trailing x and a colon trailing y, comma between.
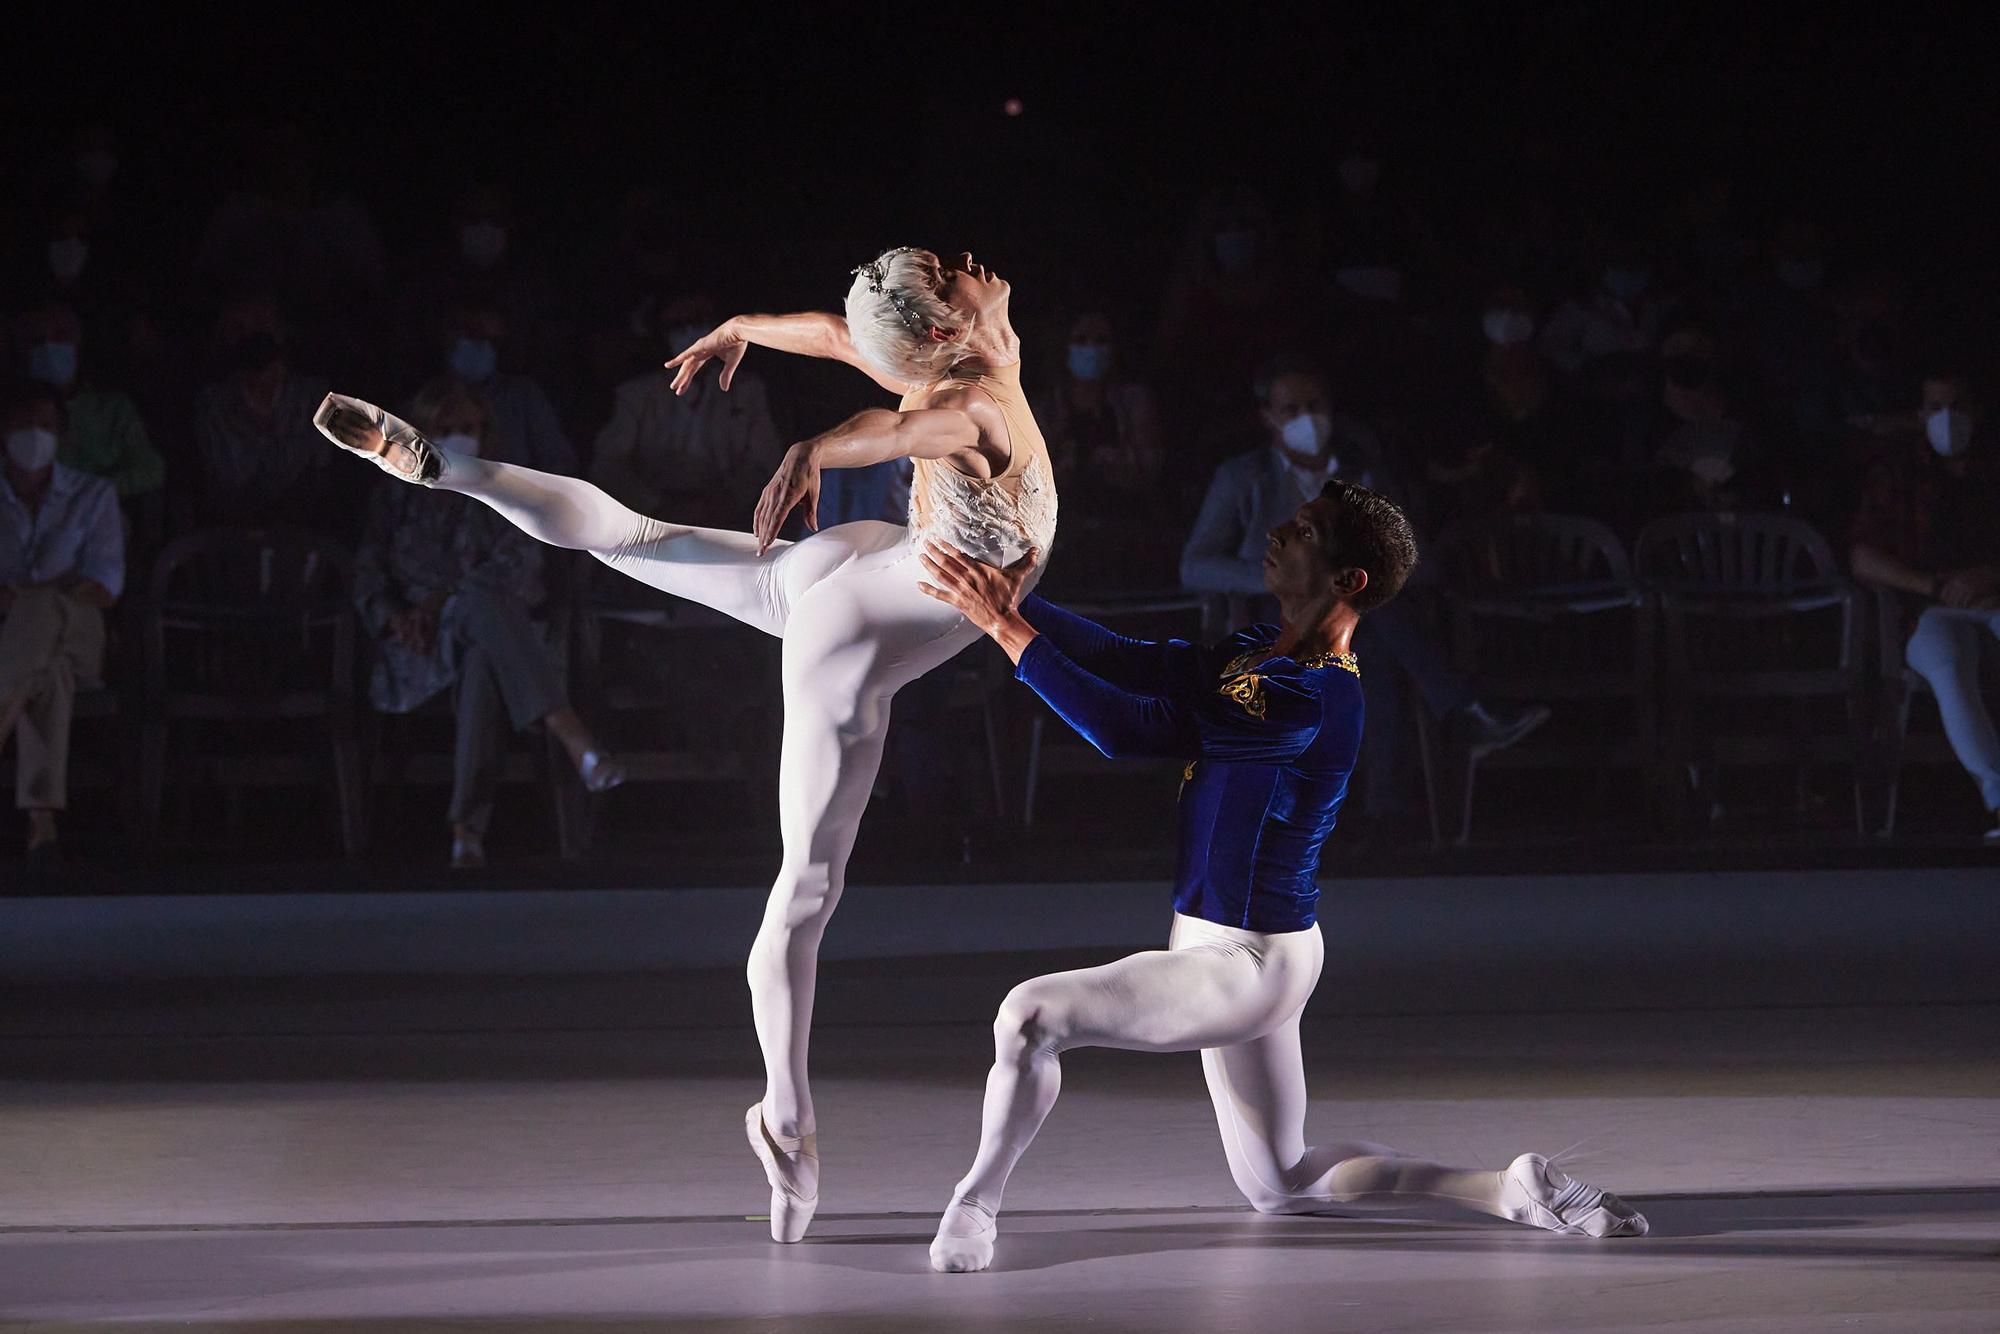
x: 1234, y: 300
x: 701, y: 457
x: 262, y: 460
x: 448, y: 589
x: 1308, y: 444
x: 526, y: 427
x: 1699, y: 448
x: 62, y: 563
x: 1102, y: 424
x: 1739, y: 343
x: 104, y: 436
x: 1929, y: 529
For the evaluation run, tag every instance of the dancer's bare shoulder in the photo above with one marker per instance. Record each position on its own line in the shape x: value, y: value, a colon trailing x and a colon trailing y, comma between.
x: 989, y: 458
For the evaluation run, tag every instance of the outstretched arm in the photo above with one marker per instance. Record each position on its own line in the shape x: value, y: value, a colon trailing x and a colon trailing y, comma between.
x: 1143, y: 665
x: 808, y: 334
x: 1269, y: 719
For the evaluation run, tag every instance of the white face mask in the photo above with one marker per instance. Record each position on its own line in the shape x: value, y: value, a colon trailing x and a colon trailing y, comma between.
x: 1949, y: 431
x: 31, y: 448
x: 458, y: 442
x: 1508, y: 327
x: 1308, y: 432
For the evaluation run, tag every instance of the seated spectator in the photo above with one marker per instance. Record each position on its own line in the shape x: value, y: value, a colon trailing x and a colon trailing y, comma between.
x: 1471, y: 473
x: 1522, y: 406
x: 289, y: 229
x: 446, y: 587
x: 701, y: 457
x: 1602, y: 343
x: 104, y: 436
x: 1308, y: 444
x: 262, y: 461
x: 527, y: 430
x: 1702, y: 455
x: 1375, y: 242
x: 1927, y: 529
x: 476, y: 249
x: 1103, y: 430
x: 1792, y: 332
x: 1232, y: 302
x: 62, y: 563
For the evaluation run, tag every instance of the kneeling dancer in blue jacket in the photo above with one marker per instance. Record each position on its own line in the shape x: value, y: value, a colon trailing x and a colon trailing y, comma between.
x: 1269, y: 722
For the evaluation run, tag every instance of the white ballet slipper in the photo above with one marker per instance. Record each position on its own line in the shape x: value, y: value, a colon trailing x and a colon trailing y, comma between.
x: 404, y: 452
x: 1535, y: 1192
x: 964, y: 1241
x: 792, y: 1208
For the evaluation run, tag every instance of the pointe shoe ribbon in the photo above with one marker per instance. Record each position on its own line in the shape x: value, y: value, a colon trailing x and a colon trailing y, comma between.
x: 405, y: 452
x: 792, y: 1208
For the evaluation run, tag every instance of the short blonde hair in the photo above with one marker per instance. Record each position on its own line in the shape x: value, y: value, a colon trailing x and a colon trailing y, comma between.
x: 893, y: 306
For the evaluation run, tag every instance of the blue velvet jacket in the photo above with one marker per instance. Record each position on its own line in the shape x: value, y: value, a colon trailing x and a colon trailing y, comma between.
x: 1270, y: 744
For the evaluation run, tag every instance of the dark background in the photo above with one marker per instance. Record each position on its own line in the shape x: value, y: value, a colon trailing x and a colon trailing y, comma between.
x: 817, y: 134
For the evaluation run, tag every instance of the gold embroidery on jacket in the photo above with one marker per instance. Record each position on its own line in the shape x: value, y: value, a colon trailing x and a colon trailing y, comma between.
x: 1247, y: 691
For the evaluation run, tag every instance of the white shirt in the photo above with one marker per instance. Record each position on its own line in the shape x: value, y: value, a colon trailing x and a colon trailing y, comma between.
x: 77, y: 533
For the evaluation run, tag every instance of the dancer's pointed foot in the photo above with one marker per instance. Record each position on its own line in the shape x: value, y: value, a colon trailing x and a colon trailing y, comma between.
x: 1535, y: 1192
x: 964, y: 1241
x: 386, y: 440
x: 792, y: 1168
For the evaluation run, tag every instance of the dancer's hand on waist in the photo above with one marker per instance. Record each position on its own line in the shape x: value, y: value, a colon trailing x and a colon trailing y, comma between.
x: 987, y: 595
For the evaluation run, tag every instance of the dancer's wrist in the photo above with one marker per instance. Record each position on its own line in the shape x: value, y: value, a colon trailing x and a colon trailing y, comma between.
x: 1013, y: 634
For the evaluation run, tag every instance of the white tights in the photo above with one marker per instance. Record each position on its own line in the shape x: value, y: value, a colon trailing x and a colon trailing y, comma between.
x: 856, y: 629
x: 1236, y: 996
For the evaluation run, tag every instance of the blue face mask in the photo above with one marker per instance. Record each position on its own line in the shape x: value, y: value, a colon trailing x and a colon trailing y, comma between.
x: 53, y: 363
x: 1089, y: 361
x: 474, y: 359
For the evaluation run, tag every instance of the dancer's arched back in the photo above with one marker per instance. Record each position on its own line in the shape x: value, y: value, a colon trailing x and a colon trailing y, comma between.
x: 846, y: 601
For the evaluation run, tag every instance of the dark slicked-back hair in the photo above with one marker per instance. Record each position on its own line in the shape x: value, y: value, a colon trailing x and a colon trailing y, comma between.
x: 1366, y: 529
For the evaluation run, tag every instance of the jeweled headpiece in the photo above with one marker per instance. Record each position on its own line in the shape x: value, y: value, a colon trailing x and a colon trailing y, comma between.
x: 876, y: 271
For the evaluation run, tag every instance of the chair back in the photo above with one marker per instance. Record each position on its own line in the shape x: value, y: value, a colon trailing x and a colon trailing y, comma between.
x: 1551, y: 555
x: 250, y: 613
x: 1769, y: 555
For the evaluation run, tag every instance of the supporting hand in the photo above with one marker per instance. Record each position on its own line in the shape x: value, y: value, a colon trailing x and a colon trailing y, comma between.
x: 986, y: 595
x: 796, y: 481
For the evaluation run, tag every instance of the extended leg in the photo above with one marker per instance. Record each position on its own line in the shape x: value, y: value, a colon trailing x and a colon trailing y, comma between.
x: 718, y: 569
x: 1259, y: 1090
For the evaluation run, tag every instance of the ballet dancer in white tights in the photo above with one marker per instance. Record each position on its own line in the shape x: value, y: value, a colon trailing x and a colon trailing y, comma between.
x: 1269, y: 722
x: 846, y: 600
